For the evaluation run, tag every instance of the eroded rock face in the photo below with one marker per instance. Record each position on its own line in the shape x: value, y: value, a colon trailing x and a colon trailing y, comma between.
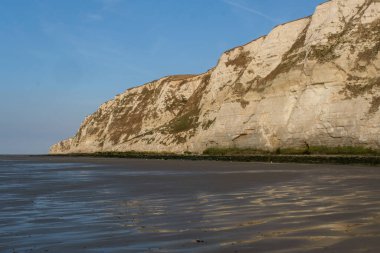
x: 314, y: 81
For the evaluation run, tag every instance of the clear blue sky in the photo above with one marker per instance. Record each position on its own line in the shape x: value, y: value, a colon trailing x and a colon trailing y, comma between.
x: 60, y: 59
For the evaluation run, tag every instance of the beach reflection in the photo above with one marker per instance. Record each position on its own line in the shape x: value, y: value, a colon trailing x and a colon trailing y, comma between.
x: 79, y: 207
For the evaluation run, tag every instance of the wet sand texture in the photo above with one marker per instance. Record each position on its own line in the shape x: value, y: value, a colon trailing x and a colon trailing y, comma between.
x: 122, y: 205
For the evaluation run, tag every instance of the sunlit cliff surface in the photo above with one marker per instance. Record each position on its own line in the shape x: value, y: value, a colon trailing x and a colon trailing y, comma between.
x: 314, y: 81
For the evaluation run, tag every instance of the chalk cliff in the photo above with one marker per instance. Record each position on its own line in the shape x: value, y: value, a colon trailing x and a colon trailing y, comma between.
x: 314, y: 81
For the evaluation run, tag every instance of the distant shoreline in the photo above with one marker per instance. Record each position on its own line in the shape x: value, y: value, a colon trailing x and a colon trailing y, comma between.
x: 269, y: 158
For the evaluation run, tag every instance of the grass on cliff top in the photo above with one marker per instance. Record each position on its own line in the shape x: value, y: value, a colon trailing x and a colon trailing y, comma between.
x: 313, y: 150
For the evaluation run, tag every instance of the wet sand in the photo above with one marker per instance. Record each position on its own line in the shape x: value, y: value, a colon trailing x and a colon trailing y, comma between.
x: 63, y: 204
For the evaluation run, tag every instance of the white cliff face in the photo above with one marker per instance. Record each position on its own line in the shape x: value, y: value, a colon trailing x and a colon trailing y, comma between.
x: 314, y: 81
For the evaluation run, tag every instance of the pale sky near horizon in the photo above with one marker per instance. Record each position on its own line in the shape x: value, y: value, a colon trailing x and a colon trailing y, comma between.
x: 61, y: 59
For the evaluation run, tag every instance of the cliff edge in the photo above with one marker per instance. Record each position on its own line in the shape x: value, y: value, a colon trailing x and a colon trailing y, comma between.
x: 314, y: 81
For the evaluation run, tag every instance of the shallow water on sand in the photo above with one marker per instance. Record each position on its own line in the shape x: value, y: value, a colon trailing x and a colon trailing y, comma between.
x: 117, y: 205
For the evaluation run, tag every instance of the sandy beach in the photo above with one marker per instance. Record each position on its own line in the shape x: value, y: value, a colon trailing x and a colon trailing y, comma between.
x: 77, y: 204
